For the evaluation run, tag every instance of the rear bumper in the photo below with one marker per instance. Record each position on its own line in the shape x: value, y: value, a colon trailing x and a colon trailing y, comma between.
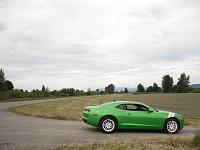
x: 84, y: 119
x: 92, y: 120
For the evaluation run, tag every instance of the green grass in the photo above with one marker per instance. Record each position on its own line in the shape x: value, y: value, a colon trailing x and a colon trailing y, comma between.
x: 171, y: 143
x: 71, y: 108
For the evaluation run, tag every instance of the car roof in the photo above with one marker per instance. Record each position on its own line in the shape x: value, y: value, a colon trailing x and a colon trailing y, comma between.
x: 126, y: 102
x: 115, y: 102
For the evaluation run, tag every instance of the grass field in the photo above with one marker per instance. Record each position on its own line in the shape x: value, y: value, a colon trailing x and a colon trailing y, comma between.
x: 71, y: 108
x: 171, y: 143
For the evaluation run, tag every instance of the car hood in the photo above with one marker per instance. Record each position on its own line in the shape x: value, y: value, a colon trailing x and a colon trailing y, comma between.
x: 164, y: 111
x: 170, y: 114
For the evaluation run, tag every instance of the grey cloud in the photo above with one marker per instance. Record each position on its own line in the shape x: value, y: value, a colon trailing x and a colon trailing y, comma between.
x: 91, y: 43
x: 3, y: 26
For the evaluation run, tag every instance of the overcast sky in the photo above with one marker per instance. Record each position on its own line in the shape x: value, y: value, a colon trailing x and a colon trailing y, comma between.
x: 91, y: 43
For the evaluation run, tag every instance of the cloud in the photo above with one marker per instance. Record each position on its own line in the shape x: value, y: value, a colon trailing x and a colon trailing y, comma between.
x: 2, y: 26
x: 91, y: 43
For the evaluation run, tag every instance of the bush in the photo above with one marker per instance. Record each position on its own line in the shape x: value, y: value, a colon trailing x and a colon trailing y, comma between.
x: 13, y: 94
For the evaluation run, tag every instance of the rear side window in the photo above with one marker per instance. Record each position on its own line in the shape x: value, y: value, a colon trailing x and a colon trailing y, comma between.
x: 142, y: 108
x: 131, y: 107
x: 122, y: 106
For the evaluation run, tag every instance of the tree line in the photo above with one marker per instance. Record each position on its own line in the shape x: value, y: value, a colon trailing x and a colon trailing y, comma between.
x: 7, y: 90
x: 168, y: 85
x: 5, y: 85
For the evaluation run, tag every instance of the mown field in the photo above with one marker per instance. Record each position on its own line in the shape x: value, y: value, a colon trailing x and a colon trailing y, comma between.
x: 71, y: 108
x: 171, y: 143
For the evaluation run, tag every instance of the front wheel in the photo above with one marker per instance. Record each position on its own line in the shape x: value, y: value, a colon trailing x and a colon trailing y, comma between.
x: 171, y: 126
x: 108, y: 125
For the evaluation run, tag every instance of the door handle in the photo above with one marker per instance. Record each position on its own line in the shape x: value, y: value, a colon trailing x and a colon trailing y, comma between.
x: 128, y: 114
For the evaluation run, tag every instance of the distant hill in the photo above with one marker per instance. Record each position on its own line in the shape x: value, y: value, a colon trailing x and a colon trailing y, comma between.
x: 195, y: 86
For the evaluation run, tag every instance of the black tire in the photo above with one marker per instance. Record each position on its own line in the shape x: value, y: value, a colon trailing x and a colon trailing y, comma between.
x: 171, y: 126
x: 112, y: 122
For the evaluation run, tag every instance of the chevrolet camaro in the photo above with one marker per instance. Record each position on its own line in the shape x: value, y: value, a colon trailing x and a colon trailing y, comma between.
x: 131, y: 115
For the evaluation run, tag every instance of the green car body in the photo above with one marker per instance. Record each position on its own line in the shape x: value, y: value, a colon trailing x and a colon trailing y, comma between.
x: 130, y: 115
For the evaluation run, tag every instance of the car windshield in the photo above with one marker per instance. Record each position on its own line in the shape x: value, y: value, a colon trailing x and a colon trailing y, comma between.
x: 154, y: 109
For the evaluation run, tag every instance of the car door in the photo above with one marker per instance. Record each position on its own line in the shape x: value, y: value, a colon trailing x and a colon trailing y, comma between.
x: 139, y: 116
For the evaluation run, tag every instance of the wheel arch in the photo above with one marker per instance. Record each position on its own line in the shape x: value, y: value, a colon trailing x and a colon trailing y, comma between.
x: 109, y: 116
x: 172, y: 118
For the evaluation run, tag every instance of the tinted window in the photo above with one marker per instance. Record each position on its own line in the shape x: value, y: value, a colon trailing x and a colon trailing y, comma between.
x: 131, y: 107
x: 142, y: 107
x: 136, y: 107
x: 121, y: 107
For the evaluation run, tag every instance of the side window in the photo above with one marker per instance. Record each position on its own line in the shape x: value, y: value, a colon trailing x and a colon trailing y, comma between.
x: 122, y: 106
x: 131, y: 107
x: 136, y: 107
x: 142, y: 108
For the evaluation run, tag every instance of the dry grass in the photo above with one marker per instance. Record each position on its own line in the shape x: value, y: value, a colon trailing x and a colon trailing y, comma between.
x: 193, y: 121
x: 171, y: 143
x: 71, y: 108
x: 196, y: 140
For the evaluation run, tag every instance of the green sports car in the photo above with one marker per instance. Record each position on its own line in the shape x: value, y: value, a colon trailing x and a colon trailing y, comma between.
x: 131, y: 115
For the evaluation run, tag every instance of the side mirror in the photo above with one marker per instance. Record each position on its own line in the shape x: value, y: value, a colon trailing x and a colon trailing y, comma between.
x: 151, y: 110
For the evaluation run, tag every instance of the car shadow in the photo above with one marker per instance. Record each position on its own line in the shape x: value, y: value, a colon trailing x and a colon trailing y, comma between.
x: 138, y: 131
x: 92, y: 129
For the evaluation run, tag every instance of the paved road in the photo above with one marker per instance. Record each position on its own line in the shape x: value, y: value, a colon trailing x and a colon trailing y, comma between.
x: 37, y: 133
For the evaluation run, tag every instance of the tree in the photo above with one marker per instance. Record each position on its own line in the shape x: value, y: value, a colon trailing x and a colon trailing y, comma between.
x: 2, y: 80
x: 155, y: 87
x: 150, y: 89
x: 174, y: 88
x: 167, y: 83
x: 106, y: 89
x: 111, y: 89
x: 97, y: 91
x: 71, y: 91
x: 101, y: 92
x: 140, y: 88
x: 43, y: 88
x: 47, y: 89
x: 89, y: 91
x: 159, y: 89
x: 183, y: 83
x: 125, y: 90
x: 8, y: 85
x: 2, y: 75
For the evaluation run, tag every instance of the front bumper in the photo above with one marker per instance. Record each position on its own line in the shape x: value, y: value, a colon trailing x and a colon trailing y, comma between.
x: 182, y: 123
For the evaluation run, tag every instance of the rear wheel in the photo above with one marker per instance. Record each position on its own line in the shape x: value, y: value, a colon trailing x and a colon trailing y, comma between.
x: 171, y: 126
x: 108, y: 125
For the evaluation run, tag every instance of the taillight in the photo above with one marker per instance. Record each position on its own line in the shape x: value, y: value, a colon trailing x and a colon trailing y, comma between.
x: 86, y: 110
